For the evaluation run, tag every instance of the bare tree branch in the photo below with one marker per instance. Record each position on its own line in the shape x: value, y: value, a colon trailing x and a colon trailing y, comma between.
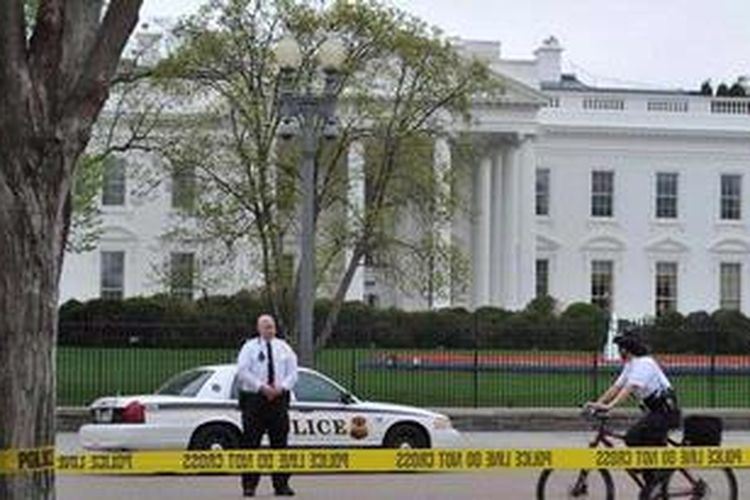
x: 91, y: 89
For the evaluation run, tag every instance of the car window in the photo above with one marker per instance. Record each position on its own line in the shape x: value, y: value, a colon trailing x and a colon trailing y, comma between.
x: 312, y: 388
x: 185, y: 384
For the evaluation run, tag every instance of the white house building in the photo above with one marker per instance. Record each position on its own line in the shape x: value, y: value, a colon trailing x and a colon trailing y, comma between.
x: 633, y: 199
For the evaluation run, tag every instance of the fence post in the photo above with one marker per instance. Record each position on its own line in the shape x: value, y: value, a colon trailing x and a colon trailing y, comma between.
x: 712, y: 370
x: 476, y: 359
x: 354, y: 369
x: 595, y: 375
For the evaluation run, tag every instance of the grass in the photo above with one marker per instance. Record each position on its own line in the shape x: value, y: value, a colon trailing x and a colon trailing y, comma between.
x: 87, y: 373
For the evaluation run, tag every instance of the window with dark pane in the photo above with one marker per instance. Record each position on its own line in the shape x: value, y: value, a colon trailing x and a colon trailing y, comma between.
x: 666, y: 195
x: 542, y: 191
x: 666, y: 287
x: 112, y: 278
x: 731, y: 197
x: 542, y: 277
x: 602, y: 193
x: 114, y: 180
x: 183, y: 189
x: 602, y: 274
x: 182, y: 271
x: 730, y: 286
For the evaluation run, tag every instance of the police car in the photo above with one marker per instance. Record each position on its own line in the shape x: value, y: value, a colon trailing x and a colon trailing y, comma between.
x: 197, y: 409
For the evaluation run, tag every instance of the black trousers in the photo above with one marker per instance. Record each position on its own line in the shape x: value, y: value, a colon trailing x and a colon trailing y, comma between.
x: 651, y: 430
x: 258, y: 417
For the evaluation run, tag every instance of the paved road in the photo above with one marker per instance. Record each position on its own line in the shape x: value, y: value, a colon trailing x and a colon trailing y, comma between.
x: 505, y: 485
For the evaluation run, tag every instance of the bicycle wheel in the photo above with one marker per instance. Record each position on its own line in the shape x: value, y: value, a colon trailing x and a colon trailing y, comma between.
x: 701, y: 483
x: 559, y: 484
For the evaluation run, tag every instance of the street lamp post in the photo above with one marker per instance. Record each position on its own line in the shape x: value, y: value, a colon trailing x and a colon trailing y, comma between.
x: 315, y: 115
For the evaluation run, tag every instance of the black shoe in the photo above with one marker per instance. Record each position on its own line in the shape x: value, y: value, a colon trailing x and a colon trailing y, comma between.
x: 285, y: 492
x: 248, y: 493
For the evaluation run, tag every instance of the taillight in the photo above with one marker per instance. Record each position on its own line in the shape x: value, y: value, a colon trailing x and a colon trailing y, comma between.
x: 134, y: 413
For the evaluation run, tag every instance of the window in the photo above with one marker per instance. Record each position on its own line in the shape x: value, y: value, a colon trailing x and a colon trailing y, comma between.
x: 542, y: 191
x: 731, y: 197
x: 113, y: 182
x: 666, y: 195
x: 542, y: 277
x: 730, y: 285
x: 666, y: 287
x: 113, y: 275
x: 181, y: 270
x: 602, y: 272
x: 602, y: 193
x: 186, y: 383
x: 312, y: 388
x: 183, y: 189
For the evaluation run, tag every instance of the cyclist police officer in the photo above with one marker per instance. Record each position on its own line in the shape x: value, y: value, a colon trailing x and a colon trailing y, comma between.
x: 643, y: 378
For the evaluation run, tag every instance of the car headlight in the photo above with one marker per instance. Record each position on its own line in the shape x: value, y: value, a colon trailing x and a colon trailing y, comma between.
x: 441, y: 423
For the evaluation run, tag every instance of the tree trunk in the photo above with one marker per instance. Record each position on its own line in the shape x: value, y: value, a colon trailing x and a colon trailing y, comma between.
x: 338, y: 299
x: 31, y: 242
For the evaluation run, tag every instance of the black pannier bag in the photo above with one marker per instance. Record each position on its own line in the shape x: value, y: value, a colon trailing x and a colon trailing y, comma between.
x: 701, y: 430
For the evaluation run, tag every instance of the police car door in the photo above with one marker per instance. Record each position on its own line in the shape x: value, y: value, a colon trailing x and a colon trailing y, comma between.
x: 320, y: 413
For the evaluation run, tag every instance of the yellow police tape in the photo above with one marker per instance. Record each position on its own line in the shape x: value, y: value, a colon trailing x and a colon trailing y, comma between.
x: 373, y: 460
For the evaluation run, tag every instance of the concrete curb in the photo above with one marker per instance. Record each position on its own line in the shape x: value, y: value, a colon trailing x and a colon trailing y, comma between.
x: 69, y: 419
x: 568, y: 419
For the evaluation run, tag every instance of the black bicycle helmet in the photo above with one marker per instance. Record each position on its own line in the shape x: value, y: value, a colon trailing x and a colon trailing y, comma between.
x: 631, y: 342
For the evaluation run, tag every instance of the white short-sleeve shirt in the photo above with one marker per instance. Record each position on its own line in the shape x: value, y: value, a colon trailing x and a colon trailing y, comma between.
x: 645, y: 375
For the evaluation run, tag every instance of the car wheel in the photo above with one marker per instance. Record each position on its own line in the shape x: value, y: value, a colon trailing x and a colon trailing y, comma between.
x: 406, y: 436
x: 215, y: 437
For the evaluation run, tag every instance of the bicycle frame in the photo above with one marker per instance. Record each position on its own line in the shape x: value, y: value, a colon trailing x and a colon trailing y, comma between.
x: 606, y: 437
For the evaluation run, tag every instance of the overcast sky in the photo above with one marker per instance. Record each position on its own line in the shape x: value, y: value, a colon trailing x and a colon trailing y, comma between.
x: 642, y: 43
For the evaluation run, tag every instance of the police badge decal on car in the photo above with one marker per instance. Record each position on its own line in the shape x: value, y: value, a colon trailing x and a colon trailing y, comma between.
x: 358, y: 428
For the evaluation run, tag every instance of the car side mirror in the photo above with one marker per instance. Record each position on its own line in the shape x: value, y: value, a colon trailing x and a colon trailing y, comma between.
x: 347, y: 398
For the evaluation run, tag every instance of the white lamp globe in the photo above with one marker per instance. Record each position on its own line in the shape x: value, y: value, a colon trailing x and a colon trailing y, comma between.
x: 287, y: 53
x: 332, y: 53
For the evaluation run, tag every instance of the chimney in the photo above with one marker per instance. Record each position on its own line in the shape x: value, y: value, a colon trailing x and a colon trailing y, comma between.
x: 549, y: 60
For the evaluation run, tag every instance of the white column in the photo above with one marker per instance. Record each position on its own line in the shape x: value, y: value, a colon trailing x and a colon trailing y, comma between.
x: 481, y: 264
x: 442, y: 165
x: 526, y: 238
x: 355, y: 213
x: 497, y: 232
x: 511, y: 222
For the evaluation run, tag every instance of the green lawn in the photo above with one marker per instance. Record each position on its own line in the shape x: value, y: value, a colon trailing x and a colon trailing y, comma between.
x: 86, y: 373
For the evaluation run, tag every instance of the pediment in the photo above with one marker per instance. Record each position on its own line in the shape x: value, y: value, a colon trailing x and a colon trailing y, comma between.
x: 117, y: 233
x: 667, y: 245
x: 605, y: 243
x: 547, y: 243
x: 731, y: 245
x: 518, y: 92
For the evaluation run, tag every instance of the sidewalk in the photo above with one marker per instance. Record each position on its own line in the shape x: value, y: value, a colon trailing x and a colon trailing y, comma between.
x: 69, y: 419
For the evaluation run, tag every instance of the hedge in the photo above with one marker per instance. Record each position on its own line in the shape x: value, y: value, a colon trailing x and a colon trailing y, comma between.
x: 224, y: 321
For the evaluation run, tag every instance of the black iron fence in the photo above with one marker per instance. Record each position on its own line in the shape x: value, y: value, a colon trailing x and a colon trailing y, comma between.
x: 488, y: 363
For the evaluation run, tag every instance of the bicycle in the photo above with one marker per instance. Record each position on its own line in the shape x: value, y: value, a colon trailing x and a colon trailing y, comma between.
x: 598, y: 483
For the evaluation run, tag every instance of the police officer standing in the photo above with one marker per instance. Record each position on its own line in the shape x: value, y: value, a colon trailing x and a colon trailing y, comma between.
x: 267, y: 372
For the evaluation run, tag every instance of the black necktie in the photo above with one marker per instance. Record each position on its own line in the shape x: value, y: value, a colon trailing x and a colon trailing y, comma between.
x: 271, y: 374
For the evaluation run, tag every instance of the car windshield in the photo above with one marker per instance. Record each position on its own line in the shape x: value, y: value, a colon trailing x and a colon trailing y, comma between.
x: 312, y: 388
x: 185, y: 384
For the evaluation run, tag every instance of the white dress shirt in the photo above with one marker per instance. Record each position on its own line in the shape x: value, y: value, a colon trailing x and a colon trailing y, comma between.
x: 645, y: 376
x: 252, y: 365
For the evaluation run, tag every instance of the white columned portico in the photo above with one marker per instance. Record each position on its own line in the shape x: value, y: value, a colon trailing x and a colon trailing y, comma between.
x: 526, y: 239
x: 442, y: 164
x: 511, y: 221
x: 496, y: 270
x: 355, y: 213
x: 483, y: 221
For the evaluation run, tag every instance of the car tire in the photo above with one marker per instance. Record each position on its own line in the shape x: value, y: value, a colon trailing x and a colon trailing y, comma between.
x: 215, y: 437
x: 406, y: 436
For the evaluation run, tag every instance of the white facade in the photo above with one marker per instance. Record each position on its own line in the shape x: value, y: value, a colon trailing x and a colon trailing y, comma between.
x: 551, y: 122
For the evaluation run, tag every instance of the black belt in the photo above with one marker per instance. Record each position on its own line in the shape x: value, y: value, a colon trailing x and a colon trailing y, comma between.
x: 662, y: 402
